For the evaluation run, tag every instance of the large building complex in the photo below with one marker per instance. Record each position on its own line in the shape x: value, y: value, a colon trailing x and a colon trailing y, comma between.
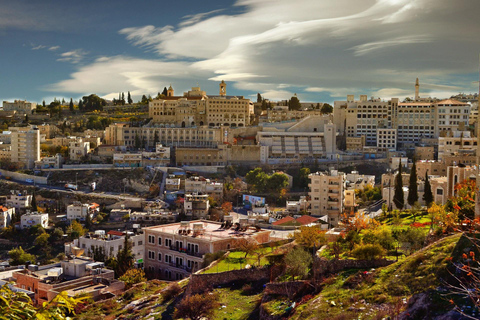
x: 22, y: 106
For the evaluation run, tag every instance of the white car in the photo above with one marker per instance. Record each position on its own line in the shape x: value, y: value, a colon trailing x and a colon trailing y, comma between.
x: 29, y: 180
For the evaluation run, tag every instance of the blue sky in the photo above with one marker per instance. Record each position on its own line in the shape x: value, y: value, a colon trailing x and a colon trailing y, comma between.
x: 321, y: 50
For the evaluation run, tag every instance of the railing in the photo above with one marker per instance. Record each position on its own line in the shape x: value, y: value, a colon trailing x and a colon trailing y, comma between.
x: 186, y: 251
x: 180, y: 266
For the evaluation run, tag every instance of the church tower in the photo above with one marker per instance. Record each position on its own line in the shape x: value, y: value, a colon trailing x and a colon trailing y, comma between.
x: 223, y: 89
x: 170, y: 91
x: 417, y: 90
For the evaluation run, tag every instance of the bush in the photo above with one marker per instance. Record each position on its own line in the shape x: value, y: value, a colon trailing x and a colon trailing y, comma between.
x: 171, y: 291
x: 133, y: 276
x: 210, y: 257
x: 197, y: 306
x: 368, y: 252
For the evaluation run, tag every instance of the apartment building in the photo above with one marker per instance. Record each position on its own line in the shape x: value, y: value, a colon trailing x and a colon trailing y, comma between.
x: 386, y: 139
x: 173, y: 251
x: 20, y: 201
x: 79, y: 211
x: 204, y: 186
x: 6, y: 214
x: 451, y: 115
x: 25, y: 146
x: 21, y: 106
x: 326, y: 194
x: 109, y: 243
x: 456, y: 142
x: 196, y: 205
x: 78, y: 149
x: 30, y: 219
x: 414, y: 121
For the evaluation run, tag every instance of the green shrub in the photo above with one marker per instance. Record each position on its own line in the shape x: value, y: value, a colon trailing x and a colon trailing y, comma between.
x: 368, y: 252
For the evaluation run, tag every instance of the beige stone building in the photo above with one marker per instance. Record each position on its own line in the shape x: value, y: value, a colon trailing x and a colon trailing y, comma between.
x: 424, y: 153
x: 435, y: 168
x: 173, y: 251
x: 21, y: 106
x: 25, y: 146
x: 78, y: 149
x: 326, y: 194
x: 196, y: 108
x: 196, y: 205
x: 456, y: 142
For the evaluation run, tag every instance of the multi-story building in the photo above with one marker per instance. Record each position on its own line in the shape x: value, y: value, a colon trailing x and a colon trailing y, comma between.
x: 434, y: 168
x: 20, y: 201
x: 30, y: 219
x: 22, y: 106
x: 296, y: 142
x: 75, y: 276
x: 6, y: 214
x: 196, y: 205
x: 386, y: 139
x: 109, y: 244
x: 425, y: 153
x: 456, y: 142
x: 5, y: 152
x: 452, y: 115
x: 55, y: 161
x: 355, y: 180
x: 25, y: 146
x: 414, y: 121
x: 204, y: 186
x: 173, y: 251
x: 326, y: 194
x: 78, y: 149
x: 196, y: 108
x: 80, y: 210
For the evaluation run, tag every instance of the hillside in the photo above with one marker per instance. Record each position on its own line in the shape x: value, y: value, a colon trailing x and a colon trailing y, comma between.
x: 414, y: 283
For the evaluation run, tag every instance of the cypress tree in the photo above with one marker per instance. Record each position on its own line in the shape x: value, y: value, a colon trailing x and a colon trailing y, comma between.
x: 412, y: 186
x: 165, y: 91
x: 71, y: 104
x: 398, y: 198
x: 427, y: 195
x: 129, y: 98
x: 33, y: 204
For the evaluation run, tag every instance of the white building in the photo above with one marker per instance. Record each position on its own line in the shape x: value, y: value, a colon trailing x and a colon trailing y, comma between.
x: 78, y: 149
x: 110, y: 243
x: 33, y: 218
x: 6, y: 216
x: 451, y: 115
x: 79, y: 211
x: 202, y: 185
x: 19, y: 201
x: 196, y: 205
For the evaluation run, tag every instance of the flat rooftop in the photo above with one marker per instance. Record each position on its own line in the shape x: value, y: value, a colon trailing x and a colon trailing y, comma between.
x: 211, y: 230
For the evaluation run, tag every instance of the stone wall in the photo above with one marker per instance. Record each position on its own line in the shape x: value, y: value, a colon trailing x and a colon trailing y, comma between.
x: 16, y: 176
x: 324, y: 266
x: 200, y: 282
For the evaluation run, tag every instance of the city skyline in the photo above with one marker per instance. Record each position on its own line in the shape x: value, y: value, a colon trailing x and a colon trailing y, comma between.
x: 320, y: 50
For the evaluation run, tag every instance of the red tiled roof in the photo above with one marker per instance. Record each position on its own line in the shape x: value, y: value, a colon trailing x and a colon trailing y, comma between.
x: 3, y: 208
x: 282, y: 221
x: 304, y: 220
x: 452, y: 101
x: 115, y: 233
x: 94, y: 205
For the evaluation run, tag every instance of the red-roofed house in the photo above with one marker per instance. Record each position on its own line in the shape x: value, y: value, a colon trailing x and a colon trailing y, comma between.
x: 285, y: 221
x: 306, y: 220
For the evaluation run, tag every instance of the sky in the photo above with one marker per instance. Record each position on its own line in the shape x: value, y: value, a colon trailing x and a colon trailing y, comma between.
x: 320, y: 50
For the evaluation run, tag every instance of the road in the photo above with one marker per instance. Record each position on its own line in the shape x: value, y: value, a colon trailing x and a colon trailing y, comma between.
x: 108, y: 195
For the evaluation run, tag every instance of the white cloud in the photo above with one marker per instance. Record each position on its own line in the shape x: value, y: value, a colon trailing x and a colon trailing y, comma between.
x: 74, y: 56
x: 38, y: 47
x: 53, y: 48
x: 327, y: 48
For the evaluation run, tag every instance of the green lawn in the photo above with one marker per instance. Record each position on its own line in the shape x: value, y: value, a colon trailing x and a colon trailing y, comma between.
x: 236, y: 260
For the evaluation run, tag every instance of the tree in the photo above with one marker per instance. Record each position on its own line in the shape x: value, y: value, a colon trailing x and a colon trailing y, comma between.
x: 294, y: 103
x: 93, y: 102
x: 129, y: 98
x: 125, y: 257
x: 310, y: 237
x: 165, y: 91
x: 42, y: 240
x: 368, y: 252
x: 80, y: 105
x: 412, y: 186
x: 298, y: 262
x: 257, y: 179
x: 227, y: 207
x: 18, y: 257
x: 138, y: 142
x: 71, y: 105
x: 398, y: 197
x: 381, y: 235
x: 326, y: 109
x: 123, y: 99
x: 412, y: 239
x: 33, y: 203
x: 427, y: 195
x: 276, y: 182
x: 88, y: 221
x: 133, y: 276
x: 259, y: 98
x: 197, y: 306
x: 156, y: 139
x: 303, y: 179
x: 43, y: 104
x: 57, y: 235
x: 247, y: 245
x: 75, y: 230
x: 463, y: 201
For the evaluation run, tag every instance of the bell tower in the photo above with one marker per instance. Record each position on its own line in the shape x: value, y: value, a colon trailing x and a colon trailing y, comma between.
x: 223, y: 89
x: 170, y: 91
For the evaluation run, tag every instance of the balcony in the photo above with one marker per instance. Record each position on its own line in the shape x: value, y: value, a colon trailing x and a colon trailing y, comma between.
x: 335, y: 192
x: 180, y: 266
x: 186, y: 251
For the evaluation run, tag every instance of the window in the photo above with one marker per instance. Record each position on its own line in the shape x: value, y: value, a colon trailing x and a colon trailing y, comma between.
x: 159, y: 256
x: 168, y: 242
x: 151, y: 239
x: 151, y: 255
x: 159, y: 241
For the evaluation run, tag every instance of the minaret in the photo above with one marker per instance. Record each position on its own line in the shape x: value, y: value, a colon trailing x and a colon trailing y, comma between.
x: 223, y: 89
x: 417, y: 89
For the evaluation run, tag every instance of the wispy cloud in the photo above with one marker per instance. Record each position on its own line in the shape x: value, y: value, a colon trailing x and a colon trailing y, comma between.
x: 365, y: 48
x: 53, y: 48
x: 38, y: 47
x: 74, y: 56
x: 195, y: 18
